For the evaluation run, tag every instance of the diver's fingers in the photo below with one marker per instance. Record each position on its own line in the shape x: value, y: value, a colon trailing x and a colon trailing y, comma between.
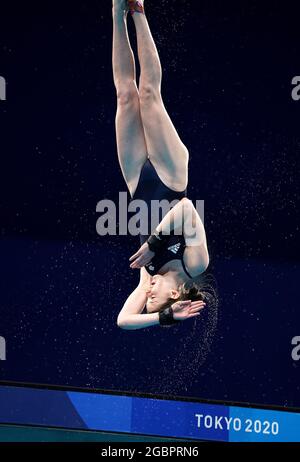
x: 133, y: 264
x: 198, y: 305
x: 195, y: 307
x: 195, y: 310
x: 193, y: 315
x: 134, y: 256
x: 138, y: 263
x: 198, y: 302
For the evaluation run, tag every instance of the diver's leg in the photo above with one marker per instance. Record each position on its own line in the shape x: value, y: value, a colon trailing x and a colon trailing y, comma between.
x: 131, y: 144
x: 165, y: 149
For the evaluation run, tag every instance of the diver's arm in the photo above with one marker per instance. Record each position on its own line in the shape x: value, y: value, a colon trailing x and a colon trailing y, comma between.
x: 184, y: 219
x: 130, y: 317
x: 173, y: 220
x: 196, y: 257
x: 138, y: 321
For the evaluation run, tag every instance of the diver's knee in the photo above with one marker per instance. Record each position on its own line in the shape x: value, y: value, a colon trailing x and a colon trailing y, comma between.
x: 149, y: 94
x: 127, y: 94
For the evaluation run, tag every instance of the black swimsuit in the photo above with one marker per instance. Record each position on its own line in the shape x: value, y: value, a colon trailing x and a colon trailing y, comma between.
x: 149, y: 188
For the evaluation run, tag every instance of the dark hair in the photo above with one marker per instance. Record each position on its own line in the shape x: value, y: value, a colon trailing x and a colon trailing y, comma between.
x: 204, y: 287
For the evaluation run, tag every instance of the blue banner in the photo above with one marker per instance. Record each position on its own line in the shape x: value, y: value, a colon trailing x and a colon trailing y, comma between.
x: 145, y: 416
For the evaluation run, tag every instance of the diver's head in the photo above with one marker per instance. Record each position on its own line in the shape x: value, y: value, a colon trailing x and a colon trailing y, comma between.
x: 162, y: 289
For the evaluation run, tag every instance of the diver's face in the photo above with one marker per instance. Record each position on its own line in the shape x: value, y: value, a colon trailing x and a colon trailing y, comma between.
x: 159, y: 292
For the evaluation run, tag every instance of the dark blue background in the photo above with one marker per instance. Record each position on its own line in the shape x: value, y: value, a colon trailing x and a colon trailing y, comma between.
x: 227, y: 71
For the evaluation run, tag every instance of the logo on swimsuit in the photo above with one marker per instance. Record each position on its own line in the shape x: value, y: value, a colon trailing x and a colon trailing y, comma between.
x: 2, y: 89
x: 174, y: 248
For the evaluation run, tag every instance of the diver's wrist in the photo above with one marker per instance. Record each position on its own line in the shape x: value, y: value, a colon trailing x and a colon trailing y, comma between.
x: 157, y: 241
x: 166, y: 317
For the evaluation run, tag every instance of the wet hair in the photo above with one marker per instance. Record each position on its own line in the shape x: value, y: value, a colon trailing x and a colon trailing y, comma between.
x: 204, y: 287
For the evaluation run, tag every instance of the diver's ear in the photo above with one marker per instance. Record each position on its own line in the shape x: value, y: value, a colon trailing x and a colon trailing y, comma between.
x: 174, y: 294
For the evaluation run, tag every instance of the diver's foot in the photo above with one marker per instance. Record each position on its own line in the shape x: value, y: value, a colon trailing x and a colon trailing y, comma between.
x: 136, y: 6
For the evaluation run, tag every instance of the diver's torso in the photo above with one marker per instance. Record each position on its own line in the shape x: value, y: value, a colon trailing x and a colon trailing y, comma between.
x: 151, y: 188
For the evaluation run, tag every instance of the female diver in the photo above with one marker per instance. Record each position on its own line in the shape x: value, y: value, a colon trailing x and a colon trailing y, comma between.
x: 154, y: 163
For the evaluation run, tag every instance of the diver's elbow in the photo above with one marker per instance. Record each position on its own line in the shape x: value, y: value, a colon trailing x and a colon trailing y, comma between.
x: 122, y: 323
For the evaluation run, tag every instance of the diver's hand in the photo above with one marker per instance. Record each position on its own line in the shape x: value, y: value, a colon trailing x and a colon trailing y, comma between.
x: 142, y: 257
x: 187, y: 309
